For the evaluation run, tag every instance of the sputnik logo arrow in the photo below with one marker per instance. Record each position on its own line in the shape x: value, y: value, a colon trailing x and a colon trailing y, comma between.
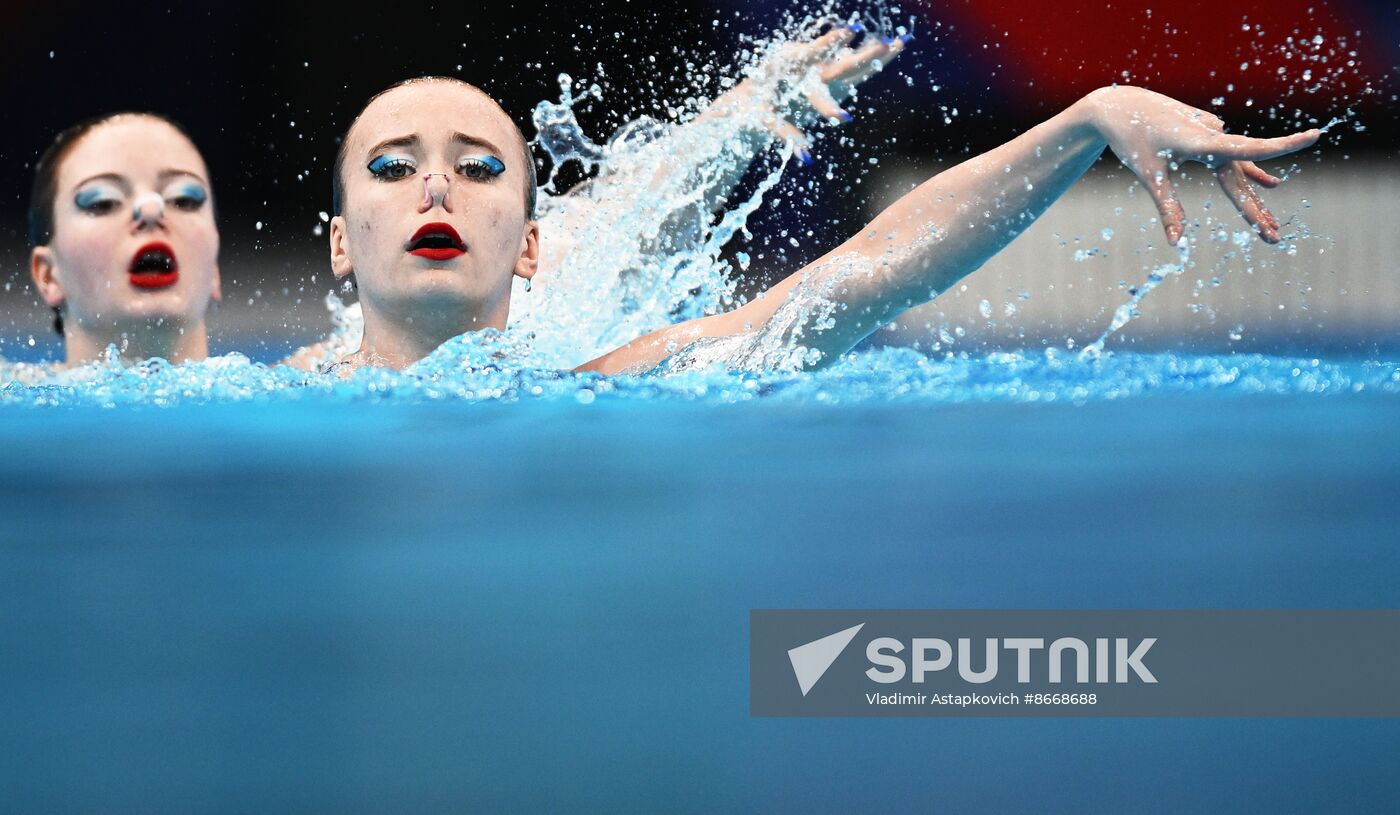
x: 811, y: 661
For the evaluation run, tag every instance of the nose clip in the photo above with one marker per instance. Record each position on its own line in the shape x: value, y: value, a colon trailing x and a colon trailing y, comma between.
x: 435, y: 194
x: 147, y: 207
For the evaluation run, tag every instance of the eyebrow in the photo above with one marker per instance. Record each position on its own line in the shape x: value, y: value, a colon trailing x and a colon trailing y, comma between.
x: 474, y: 141
x: 170, y: 173
x: 112, y: 177
x: 121, y: 180
x: 398, y: 141
x: 459, y: 138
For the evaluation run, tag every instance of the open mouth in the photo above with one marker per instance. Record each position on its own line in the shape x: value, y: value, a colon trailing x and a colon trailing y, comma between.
x: 153, y: 267
x: 436, y: 241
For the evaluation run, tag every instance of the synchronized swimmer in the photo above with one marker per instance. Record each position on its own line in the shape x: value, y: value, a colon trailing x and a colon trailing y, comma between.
x: 434, y: 216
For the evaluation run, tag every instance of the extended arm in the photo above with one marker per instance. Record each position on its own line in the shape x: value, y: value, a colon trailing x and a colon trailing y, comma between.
x: 950, y: 225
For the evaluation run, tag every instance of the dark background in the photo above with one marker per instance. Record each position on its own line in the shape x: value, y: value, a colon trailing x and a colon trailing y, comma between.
x: 267, y: 88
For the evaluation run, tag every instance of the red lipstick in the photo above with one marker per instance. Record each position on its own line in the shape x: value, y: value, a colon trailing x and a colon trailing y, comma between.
x: 153, y: 266
x: 436, y: 241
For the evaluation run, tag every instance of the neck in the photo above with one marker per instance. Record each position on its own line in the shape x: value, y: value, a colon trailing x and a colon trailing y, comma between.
x: 397, y: 341
x: 167, y: 339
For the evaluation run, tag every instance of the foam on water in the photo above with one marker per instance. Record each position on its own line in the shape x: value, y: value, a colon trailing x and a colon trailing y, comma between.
x: 484, y: 369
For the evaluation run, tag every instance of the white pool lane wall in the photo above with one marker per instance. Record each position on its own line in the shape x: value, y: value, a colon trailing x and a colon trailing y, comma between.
x: 1338, y: 283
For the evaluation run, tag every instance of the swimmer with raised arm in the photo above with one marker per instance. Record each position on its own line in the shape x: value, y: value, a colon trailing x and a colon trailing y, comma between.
x: 434, y: 220
x: 124, y: 245
x: 665, y: 195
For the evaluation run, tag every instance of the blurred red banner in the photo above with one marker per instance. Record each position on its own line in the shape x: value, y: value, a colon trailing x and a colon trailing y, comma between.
x: 1056, y: 51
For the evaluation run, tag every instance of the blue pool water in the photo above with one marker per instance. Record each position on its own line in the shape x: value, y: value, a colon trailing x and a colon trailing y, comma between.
x: 408, y: 594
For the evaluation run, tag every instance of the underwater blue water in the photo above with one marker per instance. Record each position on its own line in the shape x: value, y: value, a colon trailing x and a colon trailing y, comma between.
x: 448, y: 593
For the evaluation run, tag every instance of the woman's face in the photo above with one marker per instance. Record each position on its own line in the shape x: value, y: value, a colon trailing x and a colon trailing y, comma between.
x: 434, y: 211
x: 134, y: 240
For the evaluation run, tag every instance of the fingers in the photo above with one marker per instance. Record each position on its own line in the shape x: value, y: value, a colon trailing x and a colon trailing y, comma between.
x: 862, y: 63
x: 1243, y: 148
x: 820, y: 98
x: 1258, y: 175
x: 839, y: 68
x: 786, y: 131
x: 822, y: 48
x: 1233, y: 181
x: 1159, y: 186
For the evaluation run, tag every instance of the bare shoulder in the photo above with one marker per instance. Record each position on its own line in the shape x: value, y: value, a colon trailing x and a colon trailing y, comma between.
x: 649, y: 350
x: 311, y: 357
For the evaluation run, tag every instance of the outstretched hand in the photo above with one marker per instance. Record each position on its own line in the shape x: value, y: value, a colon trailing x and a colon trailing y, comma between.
x: 824, y: 71
x: 1153, y: 134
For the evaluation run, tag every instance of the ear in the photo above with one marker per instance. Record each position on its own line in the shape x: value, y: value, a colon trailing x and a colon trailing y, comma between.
x: 340, y: 248
x: 529, y: 261
x: 43, y: 269
x: 217, y: 293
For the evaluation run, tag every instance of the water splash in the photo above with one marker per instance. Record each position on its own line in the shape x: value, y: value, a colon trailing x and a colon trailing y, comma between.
x: 639, y: 246
x: 1337, y: 120
x: 557, y: 130
x: 1126, y: 312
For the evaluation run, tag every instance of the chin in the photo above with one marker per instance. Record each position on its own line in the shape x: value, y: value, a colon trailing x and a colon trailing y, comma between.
x: 171, y: 307
x: 444, y: 285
